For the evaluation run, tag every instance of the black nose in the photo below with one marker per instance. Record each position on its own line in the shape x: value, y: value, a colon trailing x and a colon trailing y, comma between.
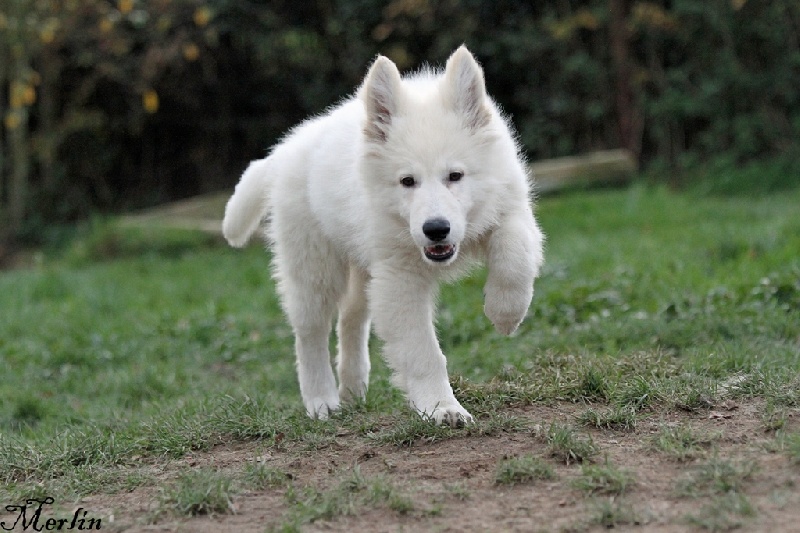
x: 436, y: 229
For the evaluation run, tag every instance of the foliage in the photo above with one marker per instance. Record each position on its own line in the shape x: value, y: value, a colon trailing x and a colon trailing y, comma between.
x: 93, y: 77
x: 115, y: 104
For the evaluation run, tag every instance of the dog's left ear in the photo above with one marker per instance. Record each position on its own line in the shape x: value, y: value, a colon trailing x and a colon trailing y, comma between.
x: 466, y: 89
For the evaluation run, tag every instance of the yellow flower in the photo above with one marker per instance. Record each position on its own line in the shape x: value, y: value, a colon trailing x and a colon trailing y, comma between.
x: 586, y: 19
x: 47, y: 35
x: 106, y: 25
x: 125, y: 6
x: 202, y: 16
x: 16, y: 97
x: 150, y: 101
x: 28, y: 95
x: 48, y: 31
x: 191, y: 52
x: 12, y: 120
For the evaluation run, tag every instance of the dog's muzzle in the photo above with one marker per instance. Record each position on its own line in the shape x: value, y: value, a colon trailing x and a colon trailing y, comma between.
x: 439, y: 253
x: 437, y: 230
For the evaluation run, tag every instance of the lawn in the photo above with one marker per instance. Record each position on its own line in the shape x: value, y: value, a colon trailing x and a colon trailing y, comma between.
x: 148, y: 375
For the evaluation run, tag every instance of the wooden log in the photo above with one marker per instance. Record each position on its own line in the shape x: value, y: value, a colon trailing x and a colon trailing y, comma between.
x: 607, y: 167
x: 204, y: 213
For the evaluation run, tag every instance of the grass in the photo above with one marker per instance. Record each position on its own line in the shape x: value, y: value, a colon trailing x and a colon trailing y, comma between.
x: 351, y: 495
x: 615, y: 418
x: 129, y: 345
x: 197, y: 493
x: 605, y: 479
x: 682, y: 443
x: 409, y: 429
x: 567, y: 446
x: 610, y: 513
x: 789, y: 443
x: 723, y: 482
x: 724, y: 512
x: 258, y: 476
x: 523, y: 469
x: 719, y: 483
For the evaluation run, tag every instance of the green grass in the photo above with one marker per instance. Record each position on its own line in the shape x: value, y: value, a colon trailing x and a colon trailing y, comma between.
x: 792, y: 446
x: 567, y: 446
x: 682, y: 443
x: 615, y: 418
x: 354, y: 493
x: 604, y: 479
x: 724, y: 512
x: 722, y: 484
x: 258, y: 476
x: 155, y: 344
x: 198, y: 492
x: 523, y: 469
x: 787, y: 443
x: 717, y: 476
x: 609, y: 513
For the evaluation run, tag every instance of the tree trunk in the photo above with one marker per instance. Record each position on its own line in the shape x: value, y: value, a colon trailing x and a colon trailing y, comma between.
x: 20, y: 169
x: 4, y: 75
x: 48, y: 135
x: 628, y: 115
x: 19, y: 148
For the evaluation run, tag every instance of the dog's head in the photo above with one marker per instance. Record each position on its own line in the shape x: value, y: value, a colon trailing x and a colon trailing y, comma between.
x: 431, y: 152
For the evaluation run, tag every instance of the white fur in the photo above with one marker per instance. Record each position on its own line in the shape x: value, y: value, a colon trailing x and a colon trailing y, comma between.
x: 347, y: 235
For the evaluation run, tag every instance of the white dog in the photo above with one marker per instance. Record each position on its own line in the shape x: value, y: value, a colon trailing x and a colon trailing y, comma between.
x: 369, y: 206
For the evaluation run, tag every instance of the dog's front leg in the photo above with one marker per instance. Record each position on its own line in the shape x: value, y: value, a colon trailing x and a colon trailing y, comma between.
x: 402, y: 306
x: 513, y: 257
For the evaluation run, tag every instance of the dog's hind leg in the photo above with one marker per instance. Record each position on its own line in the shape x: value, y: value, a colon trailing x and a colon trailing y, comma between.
x: 353, y: 333
x: 311, y: 314
x: 311, y: 281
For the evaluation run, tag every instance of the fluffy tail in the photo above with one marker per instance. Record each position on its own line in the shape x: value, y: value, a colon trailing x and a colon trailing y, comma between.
x: 248, y: 205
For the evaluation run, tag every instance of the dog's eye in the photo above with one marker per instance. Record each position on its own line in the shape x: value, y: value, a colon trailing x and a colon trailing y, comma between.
x: 455, y: 175
x: 408, y: 181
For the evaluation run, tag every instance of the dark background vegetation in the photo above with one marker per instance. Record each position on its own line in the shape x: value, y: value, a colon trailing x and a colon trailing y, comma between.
x: 112, y: 105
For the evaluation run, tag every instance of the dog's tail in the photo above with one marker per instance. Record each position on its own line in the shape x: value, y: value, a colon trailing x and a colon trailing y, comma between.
x: 248, y: 205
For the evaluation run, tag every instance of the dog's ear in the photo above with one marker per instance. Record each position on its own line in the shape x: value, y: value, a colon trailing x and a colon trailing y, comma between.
x: 382, y: 97
x: 466, y: 89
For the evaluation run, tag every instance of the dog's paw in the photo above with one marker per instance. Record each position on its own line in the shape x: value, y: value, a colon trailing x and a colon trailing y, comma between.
x: 320, y: 408
x: 353, y: 394
x: 506, y: 308
x: 453, y: 416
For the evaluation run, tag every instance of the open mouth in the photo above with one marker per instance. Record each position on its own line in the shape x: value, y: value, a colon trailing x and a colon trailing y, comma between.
x: 440, y: 252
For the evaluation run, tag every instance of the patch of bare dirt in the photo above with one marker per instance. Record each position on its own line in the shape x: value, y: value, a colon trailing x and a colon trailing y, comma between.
x: 452, y: 482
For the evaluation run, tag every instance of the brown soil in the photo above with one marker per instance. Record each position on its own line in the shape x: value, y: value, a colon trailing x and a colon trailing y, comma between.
x: 452, y: 482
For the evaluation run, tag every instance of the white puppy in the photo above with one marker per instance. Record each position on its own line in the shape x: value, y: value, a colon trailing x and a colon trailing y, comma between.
x: 369, y: 206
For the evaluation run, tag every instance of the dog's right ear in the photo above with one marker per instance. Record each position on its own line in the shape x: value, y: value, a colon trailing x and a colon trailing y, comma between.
x: 382, y: 97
